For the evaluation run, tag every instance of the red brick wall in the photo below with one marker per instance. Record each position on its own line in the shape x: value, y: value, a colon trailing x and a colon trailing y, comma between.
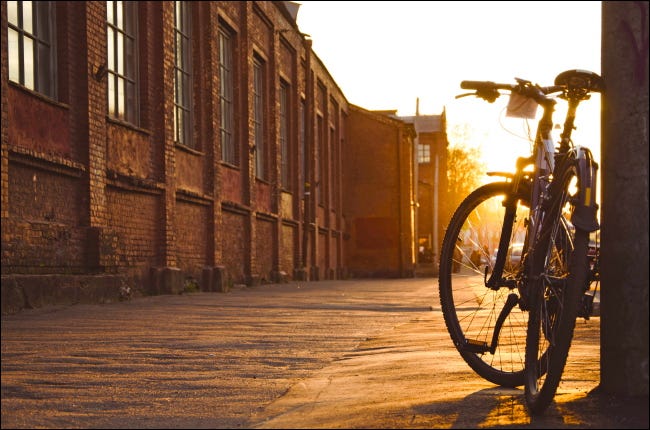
x: 235, y: 237
x: 106, y: 194
x: 288, y: 248
x: 135, y: 219
x: 265, y: 243
x: 38, y: 124
x: 42, y: 232
x: 322, y: 257
x: 192, y: 222
x: 377, y: 195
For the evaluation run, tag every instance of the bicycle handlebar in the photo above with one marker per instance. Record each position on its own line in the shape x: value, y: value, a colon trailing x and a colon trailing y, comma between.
x: 574, y: 84
x: 489, y: 90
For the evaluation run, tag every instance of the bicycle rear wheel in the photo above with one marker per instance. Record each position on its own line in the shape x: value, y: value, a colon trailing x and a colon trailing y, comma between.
x: 564, y: 275
x: 471, y: 309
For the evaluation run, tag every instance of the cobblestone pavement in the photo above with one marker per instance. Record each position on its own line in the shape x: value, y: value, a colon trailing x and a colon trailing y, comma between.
x: 329, y: 354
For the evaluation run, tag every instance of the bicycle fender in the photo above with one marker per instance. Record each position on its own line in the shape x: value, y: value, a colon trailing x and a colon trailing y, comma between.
x: 585, y: 214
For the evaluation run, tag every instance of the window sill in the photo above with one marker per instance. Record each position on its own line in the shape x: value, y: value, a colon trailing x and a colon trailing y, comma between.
x: 186, y: 148
x: 128, y: 125
x: 40, y: 96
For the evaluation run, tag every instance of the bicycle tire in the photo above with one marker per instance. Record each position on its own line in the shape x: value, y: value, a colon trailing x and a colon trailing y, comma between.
x: 470, y: 309
x: 554, y: 300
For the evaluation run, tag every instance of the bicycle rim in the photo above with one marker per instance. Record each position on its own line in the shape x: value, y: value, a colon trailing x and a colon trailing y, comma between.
x: 555, y: 298
x: 469, y: 307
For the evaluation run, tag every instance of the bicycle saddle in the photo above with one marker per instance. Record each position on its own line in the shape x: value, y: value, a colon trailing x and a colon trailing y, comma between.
x: 581, y: 79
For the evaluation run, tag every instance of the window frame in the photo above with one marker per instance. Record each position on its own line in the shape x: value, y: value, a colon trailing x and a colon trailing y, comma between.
x: 424, y: 153
x: 122, y: 68
x: 286, y: 164
x: 227, y: 129
x: 259, y: 118
x: 322, y: 159
x: 41, y: 34
x: 183, y: 97
x: 304, y: 159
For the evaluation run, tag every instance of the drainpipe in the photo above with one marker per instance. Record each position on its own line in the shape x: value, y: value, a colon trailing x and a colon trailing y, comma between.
x: 436, y: 184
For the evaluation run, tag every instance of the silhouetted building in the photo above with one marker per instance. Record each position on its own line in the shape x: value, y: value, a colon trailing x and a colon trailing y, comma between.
x: 431, y: 171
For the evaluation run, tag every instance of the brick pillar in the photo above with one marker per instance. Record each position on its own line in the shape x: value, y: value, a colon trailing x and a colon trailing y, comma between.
x: 99, y: 238
x: 624, y: 214
x: 4, y: 182
x: 169, y: 240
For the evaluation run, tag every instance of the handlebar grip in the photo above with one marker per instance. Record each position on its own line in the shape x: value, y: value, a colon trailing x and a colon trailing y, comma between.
x: 476, y: 85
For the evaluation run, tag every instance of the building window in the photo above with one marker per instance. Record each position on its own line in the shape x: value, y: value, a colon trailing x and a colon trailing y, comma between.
x: 322, y: 160
x: 259, y: 104
x: 182, y: 74
x: 285, y: 148
x: 31, y: 49
x: 424, y: 153
x: 333, y: 167
x: 229, y: 154
x: 122, y: 60
x: 303, y: 147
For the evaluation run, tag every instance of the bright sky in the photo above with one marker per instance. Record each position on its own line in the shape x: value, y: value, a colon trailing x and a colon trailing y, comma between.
x: 385, y: 55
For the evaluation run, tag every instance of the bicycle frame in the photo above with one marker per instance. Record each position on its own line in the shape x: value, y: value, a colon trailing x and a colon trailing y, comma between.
x: 543, y: 160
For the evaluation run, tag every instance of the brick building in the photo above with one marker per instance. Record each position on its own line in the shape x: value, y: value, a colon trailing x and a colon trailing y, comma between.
x: 154, y: 147
x: 380, y: 195
x: 431, y: 171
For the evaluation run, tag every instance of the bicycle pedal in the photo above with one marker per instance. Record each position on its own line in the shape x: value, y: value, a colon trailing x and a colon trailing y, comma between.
x: 586, y: 306
x: 476, y: 346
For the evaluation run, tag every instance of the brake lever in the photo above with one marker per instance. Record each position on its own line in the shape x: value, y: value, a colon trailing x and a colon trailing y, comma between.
x: 489, y: 95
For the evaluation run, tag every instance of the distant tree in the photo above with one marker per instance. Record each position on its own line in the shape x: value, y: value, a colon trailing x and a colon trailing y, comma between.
x: 465, y: 169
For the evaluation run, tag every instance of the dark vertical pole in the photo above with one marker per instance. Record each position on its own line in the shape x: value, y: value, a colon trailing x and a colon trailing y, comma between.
x: 624, y: 212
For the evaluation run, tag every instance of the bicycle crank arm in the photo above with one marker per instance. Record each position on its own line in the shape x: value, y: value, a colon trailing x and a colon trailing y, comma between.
x: 480, y: 347
x: 511, y: 302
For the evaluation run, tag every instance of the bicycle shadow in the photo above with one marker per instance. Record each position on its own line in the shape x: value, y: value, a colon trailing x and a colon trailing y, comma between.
x: 499, y: 407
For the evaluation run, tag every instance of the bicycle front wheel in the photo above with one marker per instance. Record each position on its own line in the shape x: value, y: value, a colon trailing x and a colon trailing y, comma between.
x: 562, y: 266
x: 486, y: 324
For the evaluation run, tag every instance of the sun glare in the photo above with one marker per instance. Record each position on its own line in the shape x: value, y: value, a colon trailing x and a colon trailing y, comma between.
x: 413, y: 55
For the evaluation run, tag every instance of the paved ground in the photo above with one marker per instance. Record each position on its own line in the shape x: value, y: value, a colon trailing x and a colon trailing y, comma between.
x: 331, y: 354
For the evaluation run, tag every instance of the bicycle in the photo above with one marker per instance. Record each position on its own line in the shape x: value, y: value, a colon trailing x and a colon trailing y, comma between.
x: 512, y: 320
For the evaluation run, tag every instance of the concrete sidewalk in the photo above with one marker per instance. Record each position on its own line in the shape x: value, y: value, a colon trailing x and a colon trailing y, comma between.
x: 330, y: 354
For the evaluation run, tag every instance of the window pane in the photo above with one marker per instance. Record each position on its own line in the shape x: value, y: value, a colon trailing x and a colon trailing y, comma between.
x: 14, y: 58
x: 27, y: 17
x: 111, y: 94
x: 179, y: 50
x: 178, y: 89
x: 121, y: 96
x: 129, y: 17
x: 111, y: 49
x: 178, y: 17
x: 186, y: 92
x: 120, y: 54
x: 12, y: 12
x: 28, y: 53
x: 131, y: 103
x: 43, y: 16
x: 45, y: 83
x: 187, y: 127
x: 109, y: 12
x: 181, y: 125
x: 130, y: 58
x: 176, y: 123
x: 119, y: 23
